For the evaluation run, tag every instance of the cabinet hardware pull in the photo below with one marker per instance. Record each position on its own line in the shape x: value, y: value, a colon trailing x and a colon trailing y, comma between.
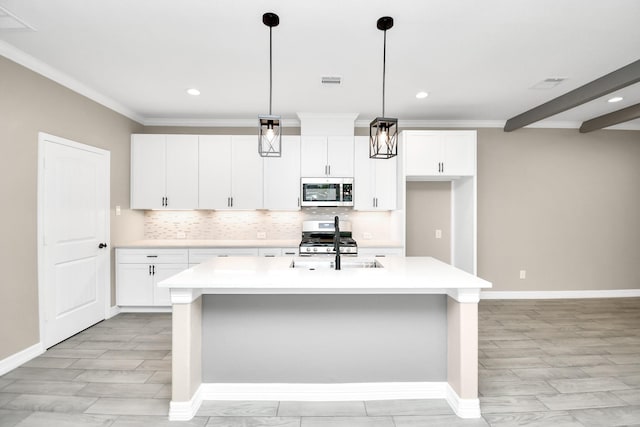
x: 149, y: 270
x: 231, y: 201
x: 329, y: 169
x: 102, y: 245
x: 154, y: 270
x: 152, y: 256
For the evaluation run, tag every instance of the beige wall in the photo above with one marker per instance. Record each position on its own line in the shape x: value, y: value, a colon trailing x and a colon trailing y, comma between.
x: 30, y: 103
x: 429, y: 209
x: 561, y: 205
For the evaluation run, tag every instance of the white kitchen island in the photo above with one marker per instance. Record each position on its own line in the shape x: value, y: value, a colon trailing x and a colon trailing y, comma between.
x: 254, y: 328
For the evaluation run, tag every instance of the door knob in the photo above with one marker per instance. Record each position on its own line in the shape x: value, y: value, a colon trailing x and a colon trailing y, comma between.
x: 102, y: 245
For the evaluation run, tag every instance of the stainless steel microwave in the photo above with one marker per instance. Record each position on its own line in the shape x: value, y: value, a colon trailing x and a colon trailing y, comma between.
x: 326, y: 191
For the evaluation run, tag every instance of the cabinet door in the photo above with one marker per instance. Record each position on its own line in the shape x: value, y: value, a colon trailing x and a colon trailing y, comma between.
x: 182, y: 172
x: 246, y: 173
x: 363, y: 178
x: 340, y: 156
x: 459, y: 149
x: 148, y: 171
x: 313, y: 156
x: 214, y: 172
x: 134, y: 285
x: 386, y: 183
x: 282, y: 177
x: 162, y: 296
x: 375, y: 179
x: 423, y: 154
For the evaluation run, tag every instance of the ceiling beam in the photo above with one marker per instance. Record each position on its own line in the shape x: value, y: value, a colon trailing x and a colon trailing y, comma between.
x: 606, y: 120
x: 611, y: 82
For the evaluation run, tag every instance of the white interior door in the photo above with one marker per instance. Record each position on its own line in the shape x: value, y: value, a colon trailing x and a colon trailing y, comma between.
x: 74, y: 231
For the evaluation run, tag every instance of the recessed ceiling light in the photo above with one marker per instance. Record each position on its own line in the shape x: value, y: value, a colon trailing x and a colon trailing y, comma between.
x: 615, y: 99
x: 421, y: 95
x: 193, y: 91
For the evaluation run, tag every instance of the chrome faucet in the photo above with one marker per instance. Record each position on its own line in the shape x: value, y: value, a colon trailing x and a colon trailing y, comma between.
x: 336, y: 241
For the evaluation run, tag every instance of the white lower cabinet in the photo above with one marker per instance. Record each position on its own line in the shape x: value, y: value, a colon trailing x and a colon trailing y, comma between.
x: 138, y: 272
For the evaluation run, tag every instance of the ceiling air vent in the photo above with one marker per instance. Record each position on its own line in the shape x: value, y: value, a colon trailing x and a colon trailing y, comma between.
x: 549, y: 83
x: 331, y: 80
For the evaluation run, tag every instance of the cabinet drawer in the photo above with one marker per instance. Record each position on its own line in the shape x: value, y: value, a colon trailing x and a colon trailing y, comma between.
x: 154, y: 256
x: 380, y: 252
x: 196, y: 256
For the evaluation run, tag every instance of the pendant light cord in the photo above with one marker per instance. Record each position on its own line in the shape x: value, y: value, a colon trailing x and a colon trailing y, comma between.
x: 270, y: 67
x: 384, y: 68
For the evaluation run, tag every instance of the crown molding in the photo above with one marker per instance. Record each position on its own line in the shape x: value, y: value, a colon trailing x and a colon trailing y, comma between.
x: 234, y: 123
x: 33, y: 64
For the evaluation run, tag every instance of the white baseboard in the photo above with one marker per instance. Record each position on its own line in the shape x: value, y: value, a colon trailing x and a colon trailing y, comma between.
x: 613, y: 293
x: 464, y: 408
x: 184, y: 411
x: 113, y: 311
x: 144, y: 309
x: 10, y: 363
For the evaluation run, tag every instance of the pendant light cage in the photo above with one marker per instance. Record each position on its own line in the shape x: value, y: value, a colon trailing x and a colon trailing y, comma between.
x: 383, y: 131
x: 383, y: 138
x: 269, y: 126
x: 270, y: 137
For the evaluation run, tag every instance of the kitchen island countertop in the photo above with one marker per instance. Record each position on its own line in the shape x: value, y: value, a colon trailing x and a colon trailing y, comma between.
x: 274, y: 275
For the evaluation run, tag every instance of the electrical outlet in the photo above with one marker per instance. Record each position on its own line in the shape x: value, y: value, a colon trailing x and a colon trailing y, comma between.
x: 366, y: 236
x: 262, y: 235
x: 438, y: 234
x: 523, y: 274
x: 118, y: 210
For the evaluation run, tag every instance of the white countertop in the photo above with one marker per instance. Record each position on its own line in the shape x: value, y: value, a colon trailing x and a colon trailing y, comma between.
x: 262, y: 275
x: 258, y: 243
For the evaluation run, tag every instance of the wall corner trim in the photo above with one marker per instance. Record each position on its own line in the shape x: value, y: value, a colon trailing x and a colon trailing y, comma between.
x: 15, y: 360
x: 613, y: 293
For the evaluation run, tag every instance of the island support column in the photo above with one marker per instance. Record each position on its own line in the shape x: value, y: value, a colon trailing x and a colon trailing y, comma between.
x: 462, y: 348
x: 186, y: 367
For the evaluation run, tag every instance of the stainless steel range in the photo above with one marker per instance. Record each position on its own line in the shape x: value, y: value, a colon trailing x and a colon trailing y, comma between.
x: 317, y: 238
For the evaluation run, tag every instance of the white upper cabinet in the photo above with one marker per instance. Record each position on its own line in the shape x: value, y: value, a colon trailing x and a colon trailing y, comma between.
x: 164, y: 171
x: 246, y: 173
x: 326, y: 156
x: 282, y: 177
x: 375, y: 179
x: 215, y: 172
x: 439, y: 153
x: 230, y: 172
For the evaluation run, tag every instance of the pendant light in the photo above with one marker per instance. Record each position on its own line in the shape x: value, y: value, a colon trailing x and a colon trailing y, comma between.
x: 383, y: 131
x: 270, y: 136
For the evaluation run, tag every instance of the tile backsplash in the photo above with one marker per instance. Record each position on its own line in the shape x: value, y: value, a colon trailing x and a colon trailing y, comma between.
x: 245, y: 225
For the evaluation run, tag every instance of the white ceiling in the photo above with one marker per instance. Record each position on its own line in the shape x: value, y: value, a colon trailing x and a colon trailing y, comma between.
x: 477, y: 59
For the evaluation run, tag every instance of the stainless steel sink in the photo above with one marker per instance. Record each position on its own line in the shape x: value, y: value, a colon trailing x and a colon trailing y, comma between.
x: 328, y: 263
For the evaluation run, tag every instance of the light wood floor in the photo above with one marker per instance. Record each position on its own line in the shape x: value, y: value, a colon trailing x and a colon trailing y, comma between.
x: 542, y: 363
